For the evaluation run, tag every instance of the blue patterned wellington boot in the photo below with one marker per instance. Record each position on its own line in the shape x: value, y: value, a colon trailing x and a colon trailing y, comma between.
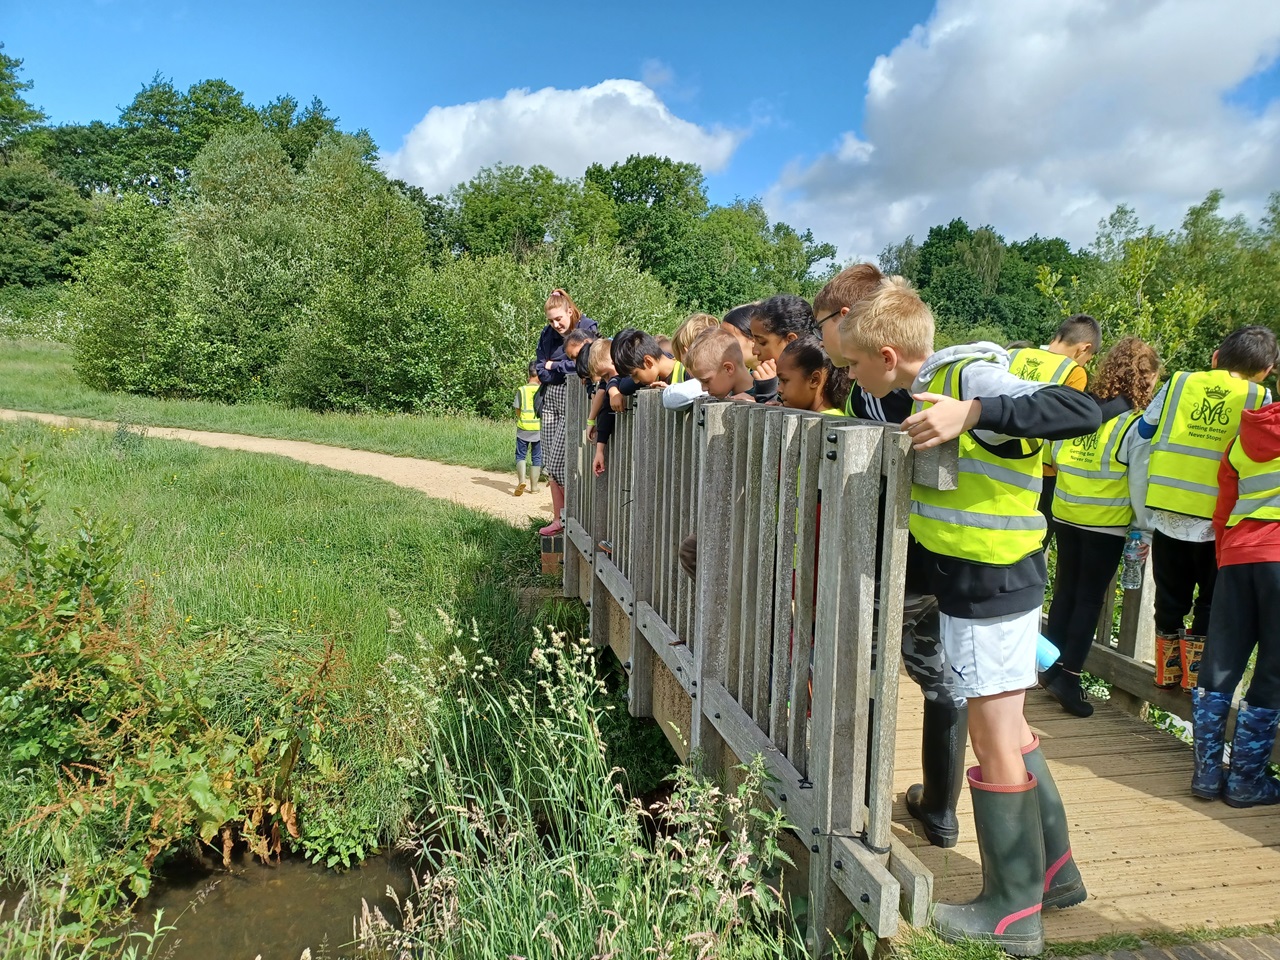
x: 1209, y: 724
x: 1248, y: 783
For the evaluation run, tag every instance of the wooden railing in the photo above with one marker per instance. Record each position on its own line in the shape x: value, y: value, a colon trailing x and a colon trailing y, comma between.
x: 723, y: 663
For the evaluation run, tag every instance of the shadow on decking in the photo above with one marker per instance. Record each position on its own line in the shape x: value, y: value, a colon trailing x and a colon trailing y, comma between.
x: 1153, y: 856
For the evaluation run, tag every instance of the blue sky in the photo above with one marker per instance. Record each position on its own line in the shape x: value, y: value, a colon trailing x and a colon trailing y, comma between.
x: 865, y: 121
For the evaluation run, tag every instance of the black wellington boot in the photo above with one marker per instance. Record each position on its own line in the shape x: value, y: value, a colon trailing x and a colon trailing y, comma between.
x: 933, y: 802
x: 1007, y: 820
x: 1063, y: 885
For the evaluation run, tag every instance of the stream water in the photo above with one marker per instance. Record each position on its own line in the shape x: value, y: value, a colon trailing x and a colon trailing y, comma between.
x: 275, y: 912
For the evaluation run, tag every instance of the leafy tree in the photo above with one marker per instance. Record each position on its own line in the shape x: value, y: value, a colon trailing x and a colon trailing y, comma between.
x: 16, y: 114
x: 250, y: 257
x: 87, y: 156
x: 901, y: 259
x: 134, y: 335
x: 510, y: 209
x: 297, y: 133
x: 354, y: 349
x: 42, y: 221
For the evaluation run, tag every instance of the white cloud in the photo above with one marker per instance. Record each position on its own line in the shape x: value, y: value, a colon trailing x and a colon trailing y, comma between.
x: 1042, y: 116
x: 565, y: 130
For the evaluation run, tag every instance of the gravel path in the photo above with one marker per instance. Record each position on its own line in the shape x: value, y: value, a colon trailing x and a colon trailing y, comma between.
x: 477, y: 489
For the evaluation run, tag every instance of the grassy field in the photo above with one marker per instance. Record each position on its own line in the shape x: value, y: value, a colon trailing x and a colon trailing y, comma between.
x: 37, y: 375
x: 224, y: 537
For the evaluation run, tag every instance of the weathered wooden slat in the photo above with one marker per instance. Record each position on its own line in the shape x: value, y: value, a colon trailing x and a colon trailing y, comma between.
x: 1137, y: 620
x: 790, y: 793
x: 662, y: 526
x: 572, y: 506
x: 579, y: 537
x: 671, y: 488
x: 783, y: 584
x: 644, y: 506
x: 915, y: 881
x: 748, y: 573
x: 806, y: 555
x: 766, y: 546
x: 599, y: 519
x: 896, y: 458
x: 842, y: 661
x: 667, y: 647
x: 614, y: 582
x: 694, y: 498
x: 715, y: 423
x: 868, y: 885
x: 736, y: 422
x: 677, y: 507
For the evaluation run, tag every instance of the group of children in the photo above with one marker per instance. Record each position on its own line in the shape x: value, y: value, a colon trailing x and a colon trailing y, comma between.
x: 1034, y: 446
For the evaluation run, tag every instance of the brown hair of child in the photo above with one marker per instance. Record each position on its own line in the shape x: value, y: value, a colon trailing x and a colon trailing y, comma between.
x: 850, y: 285
x: 688, y: 332
x: 1129, y: 370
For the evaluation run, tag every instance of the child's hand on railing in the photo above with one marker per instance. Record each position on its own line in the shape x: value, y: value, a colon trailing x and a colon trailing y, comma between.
x: 617, y: 402
x: 945, y: 420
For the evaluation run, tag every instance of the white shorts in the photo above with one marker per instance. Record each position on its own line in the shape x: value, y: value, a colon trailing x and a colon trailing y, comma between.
x: 992, y: 655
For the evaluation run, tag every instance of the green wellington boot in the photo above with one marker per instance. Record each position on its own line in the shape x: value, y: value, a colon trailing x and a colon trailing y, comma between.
x: 1006, y: 819
x: 1063, y: 885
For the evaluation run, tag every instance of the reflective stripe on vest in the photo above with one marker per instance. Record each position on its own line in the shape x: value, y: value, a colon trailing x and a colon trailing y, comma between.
x: 991, y: 517
x: 678, y: 373
x: 528, y: 419
x: 1093, y: 485
x: 1201, y: 417
x: 1258, y: 496
x: 1041, y: 366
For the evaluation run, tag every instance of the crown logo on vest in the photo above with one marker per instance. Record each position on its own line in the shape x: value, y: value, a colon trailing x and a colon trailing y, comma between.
x: 1031, y: 368
x: 1217, y: 393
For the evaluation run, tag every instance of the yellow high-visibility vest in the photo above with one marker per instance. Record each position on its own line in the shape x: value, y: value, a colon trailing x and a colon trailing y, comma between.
x: 1201, y: 417
x: 1259, y: 488
x: 1040, y: 366
x: 528, y: 419
x: 1093, y: 485
x: 678, y: 372
x: 991, y: 517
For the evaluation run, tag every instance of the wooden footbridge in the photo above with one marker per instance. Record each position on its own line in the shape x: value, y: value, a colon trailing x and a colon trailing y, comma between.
x: 785, y: 580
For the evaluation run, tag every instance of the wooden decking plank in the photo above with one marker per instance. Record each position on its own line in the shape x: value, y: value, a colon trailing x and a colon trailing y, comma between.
x: 1244, y: 948
x: 1153, y: 856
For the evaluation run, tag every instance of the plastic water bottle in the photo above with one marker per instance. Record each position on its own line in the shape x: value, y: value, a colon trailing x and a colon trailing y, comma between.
x: 1046, y: 653
x: 1131, y: 572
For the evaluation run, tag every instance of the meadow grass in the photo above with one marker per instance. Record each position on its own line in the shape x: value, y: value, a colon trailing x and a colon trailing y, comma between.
x: 37, y: 375
x: 228, y: 537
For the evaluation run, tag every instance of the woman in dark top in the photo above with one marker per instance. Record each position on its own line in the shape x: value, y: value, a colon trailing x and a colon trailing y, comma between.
x: 563, y: 316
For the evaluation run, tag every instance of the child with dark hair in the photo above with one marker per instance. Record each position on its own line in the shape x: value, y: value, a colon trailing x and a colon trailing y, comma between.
x: 638, y: 355
x: 776, y: 322
x: 1094, y: 510
x: 808, y: 380
x: 528, y: 435
x: 1190, y: 424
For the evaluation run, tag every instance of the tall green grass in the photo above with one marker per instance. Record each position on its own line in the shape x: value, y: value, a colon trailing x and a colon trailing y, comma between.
x: 533, y: 851
x: 37, y: 375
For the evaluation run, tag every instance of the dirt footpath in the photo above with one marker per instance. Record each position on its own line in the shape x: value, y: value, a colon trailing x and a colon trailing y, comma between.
x: 477, y: 489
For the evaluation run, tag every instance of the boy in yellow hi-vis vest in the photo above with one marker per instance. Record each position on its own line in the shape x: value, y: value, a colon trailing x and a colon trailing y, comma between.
x: 1061, y: 361
x: 528, y: 435
x: 1189, y: 424
x: 981, y: 549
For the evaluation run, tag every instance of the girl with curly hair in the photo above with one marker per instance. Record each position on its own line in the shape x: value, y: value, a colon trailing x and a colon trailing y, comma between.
x: 1093, y: 511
